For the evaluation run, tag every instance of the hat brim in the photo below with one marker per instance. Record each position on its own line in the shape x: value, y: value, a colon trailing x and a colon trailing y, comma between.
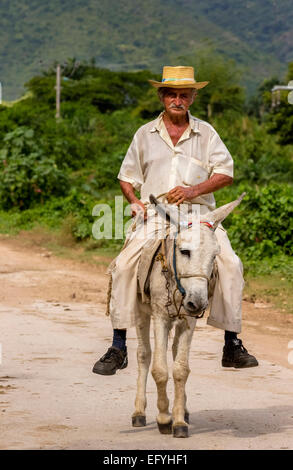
x: 175, y: 84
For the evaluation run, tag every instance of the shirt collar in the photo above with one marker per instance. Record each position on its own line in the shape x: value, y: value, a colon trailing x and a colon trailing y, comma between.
x: 194, y: 125
x: 157, y: 123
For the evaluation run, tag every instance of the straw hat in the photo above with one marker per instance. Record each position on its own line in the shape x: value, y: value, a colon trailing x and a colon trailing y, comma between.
x: 178, y: 77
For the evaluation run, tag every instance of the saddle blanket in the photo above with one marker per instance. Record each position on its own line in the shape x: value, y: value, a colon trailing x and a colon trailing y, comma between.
x: 146, y: 261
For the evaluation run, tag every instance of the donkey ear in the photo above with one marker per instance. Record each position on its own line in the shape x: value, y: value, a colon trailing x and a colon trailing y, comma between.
x: 168, y: 212
x: 153, y: 200
x: 218, y: 215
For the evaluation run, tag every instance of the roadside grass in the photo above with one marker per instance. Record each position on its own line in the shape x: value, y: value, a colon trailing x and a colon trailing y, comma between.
x: 274, y: 289
x: 61, y: 243
x: 270, y: 280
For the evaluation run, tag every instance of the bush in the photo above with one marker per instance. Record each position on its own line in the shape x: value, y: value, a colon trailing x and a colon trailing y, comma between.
x: 262, y: 225
x: 258, y: 156
x: 27, y: 175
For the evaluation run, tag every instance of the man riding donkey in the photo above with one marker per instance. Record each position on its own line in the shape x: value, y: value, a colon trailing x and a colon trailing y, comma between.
x: 184, y: 158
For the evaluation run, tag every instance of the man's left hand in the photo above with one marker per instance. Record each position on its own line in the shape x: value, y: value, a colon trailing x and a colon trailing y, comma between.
x: 180, y: 194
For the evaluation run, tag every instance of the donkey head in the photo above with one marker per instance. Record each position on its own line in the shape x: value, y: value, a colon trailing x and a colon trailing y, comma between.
x: 195, y: 250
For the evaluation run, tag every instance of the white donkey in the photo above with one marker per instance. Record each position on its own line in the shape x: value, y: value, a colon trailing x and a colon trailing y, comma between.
x: 186, y: 279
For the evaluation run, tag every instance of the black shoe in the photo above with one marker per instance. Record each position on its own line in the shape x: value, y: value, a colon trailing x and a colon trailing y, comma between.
x: 113, y: 360
x: 235, y: 355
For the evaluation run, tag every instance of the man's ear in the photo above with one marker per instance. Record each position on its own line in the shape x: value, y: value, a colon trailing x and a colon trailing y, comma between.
x: 194, y: 95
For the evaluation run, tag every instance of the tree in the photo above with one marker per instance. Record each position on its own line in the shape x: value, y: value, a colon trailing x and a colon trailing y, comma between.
x: 223, y: 94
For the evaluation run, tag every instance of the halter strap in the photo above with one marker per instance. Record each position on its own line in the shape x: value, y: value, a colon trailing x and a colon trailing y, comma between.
x: 180, y: 288
x: 182, y: 276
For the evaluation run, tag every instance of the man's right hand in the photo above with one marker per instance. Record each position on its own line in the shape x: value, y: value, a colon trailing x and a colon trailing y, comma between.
x: 138, y: 209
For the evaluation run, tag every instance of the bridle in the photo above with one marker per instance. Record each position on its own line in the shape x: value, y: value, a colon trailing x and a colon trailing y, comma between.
x: 184, y: 276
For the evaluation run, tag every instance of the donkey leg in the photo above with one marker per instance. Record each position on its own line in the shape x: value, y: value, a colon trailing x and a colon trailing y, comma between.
x: 174, y: 354
x: 143, y: 361
x: 160, y: 374
x: 180, y: 374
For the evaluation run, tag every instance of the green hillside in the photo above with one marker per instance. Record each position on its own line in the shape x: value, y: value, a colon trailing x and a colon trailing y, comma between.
x: 135, y: 34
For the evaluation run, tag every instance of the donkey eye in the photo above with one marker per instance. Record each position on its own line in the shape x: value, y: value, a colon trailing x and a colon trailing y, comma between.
x: 185, y: 252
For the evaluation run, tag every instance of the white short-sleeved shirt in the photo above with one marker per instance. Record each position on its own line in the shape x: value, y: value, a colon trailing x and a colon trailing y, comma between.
x: 153, y: 165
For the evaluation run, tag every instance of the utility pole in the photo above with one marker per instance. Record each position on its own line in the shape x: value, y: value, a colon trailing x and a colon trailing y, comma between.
x: 0, y: 93
x: 58, y: 83
x: 58, y: 90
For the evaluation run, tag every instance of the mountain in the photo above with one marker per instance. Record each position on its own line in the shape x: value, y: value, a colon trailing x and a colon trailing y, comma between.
x: 137, y: 34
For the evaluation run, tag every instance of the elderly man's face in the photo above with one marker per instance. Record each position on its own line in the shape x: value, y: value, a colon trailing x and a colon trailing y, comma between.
x: 177, y: 100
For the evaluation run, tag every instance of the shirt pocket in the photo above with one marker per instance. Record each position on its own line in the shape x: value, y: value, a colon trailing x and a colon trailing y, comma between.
x: 195, y: 173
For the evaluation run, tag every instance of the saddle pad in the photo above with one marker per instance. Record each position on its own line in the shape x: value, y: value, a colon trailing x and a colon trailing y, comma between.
x: 147, y: 256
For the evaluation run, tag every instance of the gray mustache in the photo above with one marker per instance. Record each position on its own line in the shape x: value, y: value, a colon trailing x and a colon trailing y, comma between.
x: 173, y: 106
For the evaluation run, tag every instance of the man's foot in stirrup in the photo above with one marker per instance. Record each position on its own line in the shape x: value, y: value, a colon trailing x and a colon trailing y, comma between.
x: 235, y: 355
x: 113, y: 360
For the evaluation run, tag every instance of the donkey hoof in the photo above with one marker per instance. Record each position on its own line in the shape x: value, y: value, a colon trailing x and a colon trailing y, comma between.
x: 165, y: 428
x: 138, y: 421
x: 186, y: 417
x: 180, y: 431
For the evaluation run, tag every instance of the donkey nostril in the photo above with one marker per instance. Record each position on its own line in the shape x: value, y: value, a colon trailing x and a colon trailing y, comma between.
x: 191, y: 305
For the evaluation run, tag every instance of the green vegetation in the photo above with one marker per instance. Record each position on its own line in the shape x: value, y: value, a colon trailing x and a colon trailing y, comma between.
x: 28, y: 175
x: 53, y: 172
x: 135, y: 35
x: 261, y: 228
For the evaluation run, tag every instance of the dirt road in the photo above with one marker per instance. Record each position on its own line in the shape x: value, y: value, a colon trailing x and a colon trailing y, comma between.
x: 53, y: 328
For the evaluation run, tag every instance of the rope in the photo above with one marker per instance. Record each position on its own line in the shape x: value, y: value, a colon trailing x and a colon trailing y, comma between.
x: 163, y: 195
x: 109, y: 292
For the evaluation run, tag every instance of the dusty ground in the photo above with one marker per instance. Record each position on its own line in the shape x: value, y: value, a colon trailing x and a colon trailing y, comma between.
x: 53, y: 329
